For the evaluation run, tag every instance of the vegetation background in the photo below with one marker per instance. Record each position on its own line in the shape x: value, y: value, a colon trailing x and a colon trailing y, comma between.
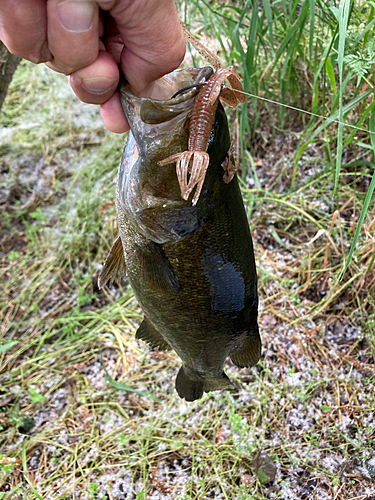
x: 78, y: 414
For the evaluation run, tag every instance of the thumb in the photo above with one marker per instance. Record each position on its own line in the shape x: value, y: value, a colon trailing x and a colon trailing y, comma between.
x: 154, y: 42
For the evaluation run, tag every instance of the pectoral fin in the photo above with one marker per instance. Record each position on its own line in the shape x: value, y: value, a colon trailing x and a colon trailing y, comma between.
x: 148, y: 333
x: 249, y: 353
x: 156, y: 269
x: 114, y: 266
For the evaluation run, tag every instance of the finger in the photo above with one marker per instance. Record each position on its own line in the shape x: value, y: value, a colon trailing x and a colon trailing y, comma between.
x: 153, y: 38
x: 140, y: 71
x: 23, y: 29
x: 113, y: 115
x: 110, y: 36
x: 97, y: 82
x: 73, y: 33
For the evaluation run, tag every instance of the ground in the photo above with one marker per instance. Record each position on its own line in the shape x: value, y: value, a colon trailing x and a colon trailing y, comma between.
x: 300, y: 424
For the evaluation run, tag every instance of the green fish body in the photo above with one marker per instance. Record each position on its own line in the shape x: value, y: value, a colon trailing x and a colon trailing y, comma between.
x: 192, y: 268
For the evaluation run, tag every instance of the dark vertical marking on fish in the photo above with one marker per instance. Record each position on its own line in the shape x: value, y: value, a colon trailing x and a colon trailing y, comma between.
x: 227, y: 284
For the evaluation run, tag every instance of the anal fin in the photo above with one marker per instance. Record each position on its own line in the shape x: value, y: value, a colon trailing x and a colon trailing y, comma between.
x: 114, y: 266
x: 249, y: 353
x: 217, y: 384
x: 148, y: 333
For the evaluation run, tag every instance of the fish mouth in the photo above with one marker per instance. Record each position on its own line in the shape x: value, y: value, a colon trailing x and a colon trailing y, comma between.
x: 176, y: 92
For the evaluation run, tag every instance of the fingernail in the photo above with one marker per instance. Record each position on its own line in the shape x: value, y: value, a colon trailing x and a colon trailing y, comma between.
x: 77, y: 16
x: 99, y: 84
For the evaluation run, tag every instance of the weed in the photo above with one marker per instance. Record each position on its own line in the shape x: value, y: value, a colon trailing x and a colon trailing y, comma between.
x: 35, y: 397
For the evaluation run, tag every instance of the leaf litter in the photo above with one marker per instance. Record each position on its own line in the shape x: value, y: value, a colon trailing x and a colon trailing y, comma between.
x: 299, y: 425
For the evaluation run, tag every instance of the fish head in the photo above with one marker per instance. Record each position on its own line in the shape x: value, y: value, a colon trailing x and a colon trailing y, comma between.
x: 160, y: 126
x: 172, y: 96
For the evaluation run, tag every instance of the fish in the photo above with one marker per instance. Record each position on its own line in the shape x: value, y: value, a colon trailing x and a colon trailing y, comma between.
x: 191, y: 265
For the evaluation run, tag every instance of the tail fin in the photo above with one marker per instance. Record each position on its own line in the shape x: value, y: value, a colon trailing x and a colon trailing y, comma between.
x: 188, y: 388
x: 193, y: 389
x: 219, y: 383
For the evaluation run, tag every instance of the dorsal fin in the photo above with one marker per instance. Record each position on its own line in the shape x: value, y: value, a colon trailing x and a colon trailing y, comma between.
x: 114, y: 266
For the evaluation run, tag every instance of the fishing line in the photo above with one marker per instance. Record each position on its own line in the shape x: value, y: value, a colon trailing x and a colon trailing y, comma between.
x: 306, y: 112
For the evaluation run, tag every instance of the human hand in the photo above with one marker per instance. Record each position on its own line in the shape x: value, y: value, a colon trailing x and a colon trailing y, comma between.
x: 88, y: 39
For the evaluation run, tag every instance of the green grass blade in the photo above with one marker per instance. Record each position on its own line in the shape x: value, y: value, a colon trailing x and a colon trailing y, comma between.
x: 331, y: 75
x: 291, y: 34
x: 251, y: 42
x: 268, y: 12
x: 329, y: 121
x: 7, y: 346
x: 124, y: 387
x: 312, y: 19
x: 344, y: 10
x: 10, y: 493
x: 368, y: 197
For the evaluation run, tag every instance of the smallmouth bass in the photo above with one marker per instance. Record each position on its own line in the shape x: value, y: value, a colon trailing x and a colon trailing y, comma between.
x: 191, y: 267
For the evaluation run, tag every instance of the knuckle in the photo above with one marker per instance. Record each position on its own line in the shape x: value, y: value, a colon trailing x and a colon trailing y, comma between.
x: 177, y: 52
x: 12, y: 48
x: 74, y: 63
x: 37, y: 58
x: 36, y: 55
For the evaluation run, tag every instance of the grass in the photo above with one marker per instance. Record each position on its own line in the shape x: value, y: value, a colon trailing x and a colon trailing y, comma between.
x: 298, y: 425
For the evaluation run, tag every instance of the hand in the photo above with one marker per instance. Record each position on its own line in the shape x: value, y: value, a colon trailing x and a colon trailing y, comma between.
x: 88, y: 39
